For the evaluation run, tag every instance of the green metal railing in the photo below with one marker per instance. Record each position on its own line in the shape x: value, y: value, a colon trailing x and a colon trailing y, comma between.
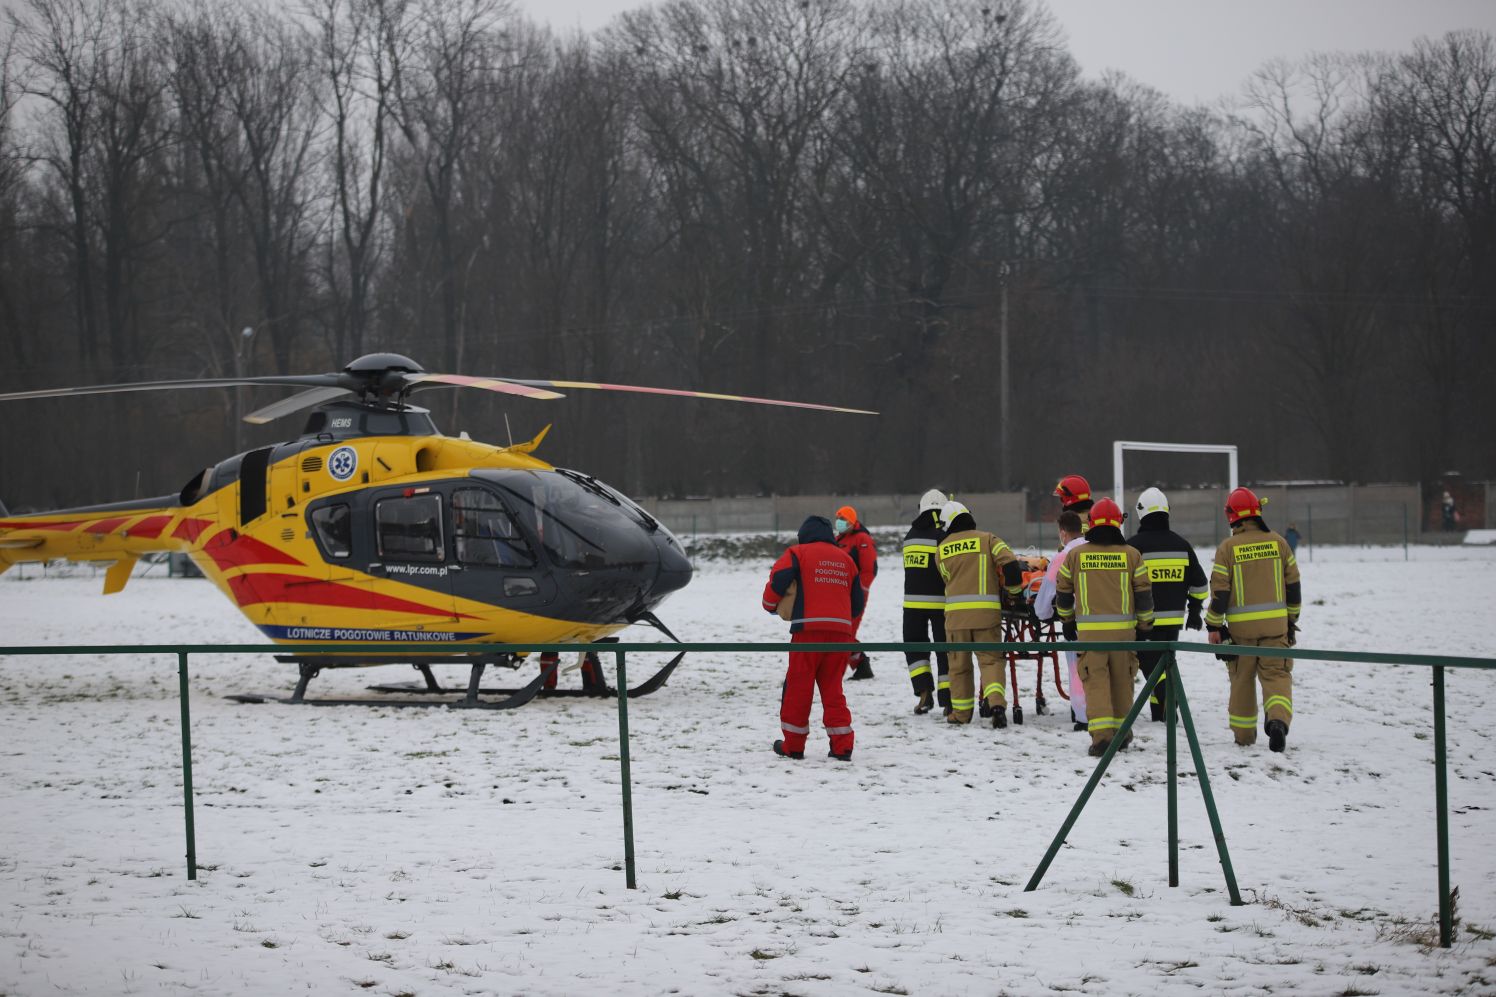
x: 1176, y: 708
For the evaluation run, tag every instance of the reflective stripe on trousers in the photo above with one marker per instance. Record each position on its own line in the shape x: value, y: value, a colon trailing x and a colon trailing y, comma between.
x: 1256, y: 611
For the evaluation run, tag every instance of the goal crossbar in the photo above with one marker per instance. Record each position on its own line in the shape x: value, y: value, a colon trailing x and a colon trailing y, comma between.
x: 1120, y: 447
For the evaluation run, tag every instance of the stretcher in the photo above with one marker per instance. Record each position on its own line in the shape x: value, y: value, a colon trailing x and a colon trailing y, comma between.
x: 1021, y: 626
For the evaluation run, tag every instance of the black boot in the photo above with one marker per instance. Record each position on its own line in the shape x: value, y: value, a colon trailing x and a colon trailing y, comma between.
x: 779, y: 750
x: 845, y: 756
x: 863, y: 669
x: 926, y: 703
x: 1017, y: 714
x: 1157, y: 709
x: 999, y: 716
x: 1277, y: 735
x: 1099, y: 748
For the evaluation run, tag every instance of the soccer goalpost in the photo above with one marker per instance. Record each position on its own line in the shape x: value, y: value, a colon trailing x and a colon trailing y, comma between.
x: 1120, y: 447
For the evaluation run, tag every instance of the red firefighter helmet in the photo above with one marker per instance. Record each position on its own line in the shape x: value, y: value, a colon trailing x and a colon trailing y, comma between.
x: 1106, y: 513
x: 1073, y: 489
x: 1242, y: 503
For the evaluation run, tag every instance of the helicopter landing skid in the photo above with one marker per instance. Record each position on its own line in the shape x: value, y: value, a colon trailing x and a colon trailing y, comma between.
x: 434, y: 688
x: 310, y: 667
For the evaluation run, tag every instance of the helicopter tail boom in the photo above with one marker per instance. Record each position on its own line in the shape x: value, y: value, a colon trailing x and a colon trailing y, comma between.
x: 117, y: 535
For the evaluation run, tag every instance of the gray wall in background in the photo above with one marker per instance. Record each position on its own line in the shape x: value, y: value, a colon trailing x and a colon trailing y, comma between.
x: 1327, y: 514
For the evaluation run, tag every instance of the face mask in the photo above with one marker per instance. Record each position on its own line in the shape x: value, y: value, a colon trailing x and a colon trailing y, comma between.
x: 841, y: 526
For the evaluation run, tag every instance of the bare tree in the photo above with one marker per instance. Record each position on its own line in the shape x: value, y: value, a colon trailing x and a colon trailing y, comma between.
x: 359, y: 44
x: 457, y: 52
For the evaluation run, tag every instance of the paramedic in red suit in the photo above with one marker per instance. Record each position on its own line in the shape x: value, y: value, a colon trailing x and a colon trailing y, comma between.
x: 827, y: 598
x: 853, y: 537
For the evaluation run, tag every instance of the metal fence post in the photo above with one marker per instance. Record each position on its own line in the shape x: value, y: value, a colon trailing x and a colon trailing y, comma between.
x: 1441, y: 804
x: 187, y: 764
x: 623, y: 765
x: 1210, y: 807
x: 1171, y: 711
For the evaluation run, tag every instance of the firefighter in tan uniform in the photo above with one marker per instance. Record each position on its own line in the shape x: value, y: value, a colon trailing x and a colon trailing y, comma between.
x: 1254, y: 602
x: 1104, y: 594
x: 978, y: 568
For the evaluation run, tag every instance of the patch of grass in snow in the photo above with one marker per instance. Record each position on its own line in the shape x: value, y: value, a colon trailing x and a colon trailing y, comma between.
x: 1015, y: 912
x: 396, y: 936
x: 1370, y: 969
x: 862, y: 969
x: 1484, y: 934
x: 385, y: 957
x: 465, y: 940
x: 269, y: 943
x: 1216, y: 917
x: 430, y: 754
x: 1125, y: 888
x: 1356, y: 992
x: 799, y: 977
x: 1303, y: 915
x: 761, y: 955
x: 892, y: 988
x: 365, y: 984
x: 189, y: 914
x: 672, y: 894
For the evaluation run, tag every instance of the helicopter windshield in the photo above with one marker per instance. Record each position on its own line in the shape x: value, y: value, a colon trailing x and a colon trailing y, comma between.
x: 580, y: 522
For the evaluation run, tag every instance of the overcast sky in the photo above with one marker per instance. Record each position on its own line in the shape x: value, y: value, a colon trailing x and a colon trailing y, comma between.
x: 1193, y: 50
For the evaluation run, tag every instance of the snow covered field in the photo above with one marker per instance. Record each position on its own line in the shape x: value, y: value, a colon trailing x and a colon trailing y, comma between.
x: 391, y: 851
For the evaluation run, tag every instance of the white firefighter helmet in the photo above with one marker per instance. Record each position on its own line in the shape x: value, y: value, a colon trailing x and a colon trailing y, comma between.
x: 951, y: 510
x: 1152, y: 500
x: 932, y: 500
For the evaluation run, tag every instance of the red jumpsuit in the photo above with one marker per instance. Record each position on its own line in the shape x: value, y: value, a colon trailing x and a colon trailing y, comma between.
x: 858, y: 543
x: 828, y: 597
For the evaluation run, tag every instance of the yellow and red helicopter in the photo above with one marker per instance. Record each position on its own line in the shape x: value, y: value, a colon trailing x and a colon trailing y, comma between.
x: 372, y: 528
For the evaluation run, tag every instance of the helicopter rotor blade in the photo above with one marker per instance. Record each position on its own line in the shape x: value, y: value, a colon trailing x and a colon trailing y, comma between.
x: 295, y: 403
x: 527, y: 389
x: 290, y: 380
x: 599, y: 386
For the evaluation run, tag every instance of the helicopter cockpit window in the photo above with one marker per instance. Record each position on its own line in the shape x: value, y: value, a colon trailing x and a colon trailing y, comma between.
x: 334, y: 526
x: 485, y: 533
x: 410, y: 529
x: 578, y: 525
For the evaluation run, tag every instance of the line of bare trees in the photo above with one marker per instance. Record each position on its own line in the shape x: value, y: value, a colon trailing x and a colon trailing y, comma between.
x: 810, y: 199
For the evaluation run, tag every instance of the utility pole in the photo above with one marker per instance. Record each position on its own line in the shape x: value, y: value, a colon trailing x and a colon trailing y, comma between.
x: 1004, y: 464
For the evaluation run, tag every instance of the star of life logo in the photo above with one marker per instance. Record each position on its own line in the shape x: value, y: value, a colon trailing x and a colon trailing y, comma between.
x: 342, y: 463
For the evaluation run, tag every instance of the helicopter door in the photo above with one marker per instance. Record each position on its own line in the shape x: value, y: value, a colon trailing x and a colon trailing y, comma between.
x: 410, y: 546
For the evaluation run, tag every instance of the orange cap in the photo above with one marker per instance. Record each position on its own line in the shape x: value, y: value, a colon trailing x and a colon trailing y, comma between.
x: 848, y: 513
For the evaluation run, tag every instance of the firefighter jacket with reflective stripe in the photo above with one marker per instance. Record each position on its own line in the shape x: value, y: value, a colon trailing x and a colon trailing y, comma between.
x: 1173, y: 569
x: 1104, y: 588
x: 923, y: 586
x: 827, y: 596
x: 858, y: 543
x: 1254, y: 583
x: 977, y: 568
